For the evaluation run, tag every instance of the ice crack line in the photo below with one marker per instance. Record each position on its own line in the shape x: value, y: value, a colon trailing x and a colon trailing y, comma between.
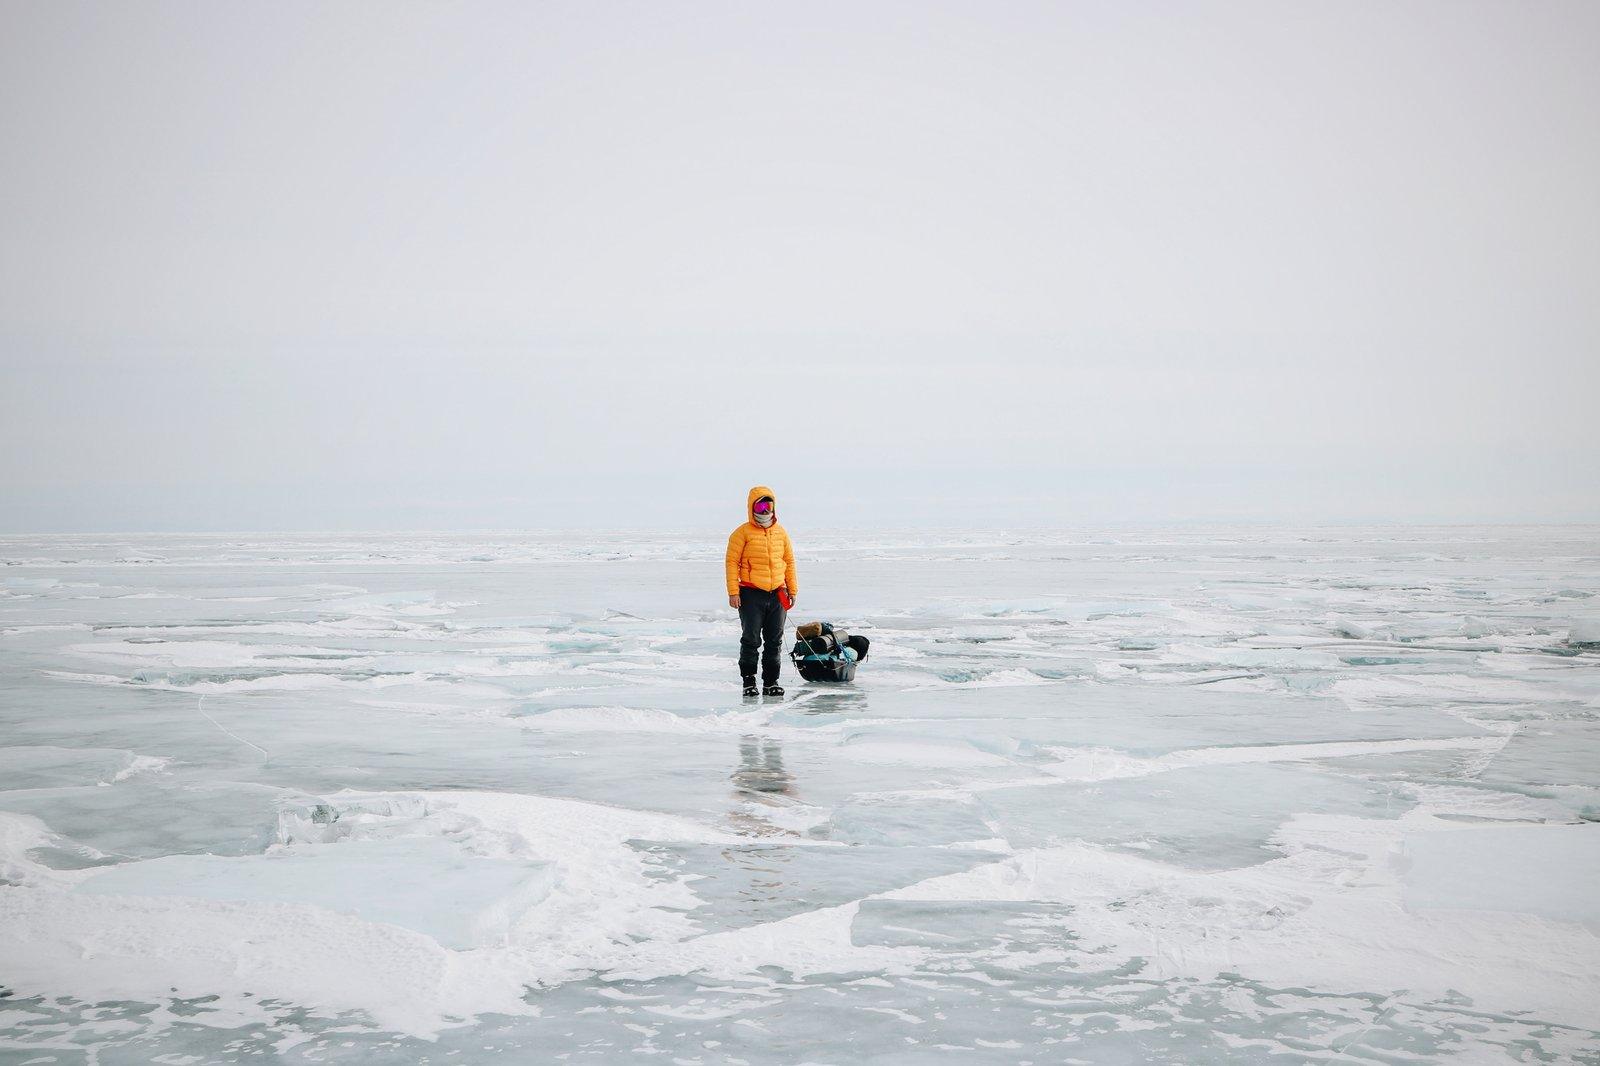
x: 202, y: 708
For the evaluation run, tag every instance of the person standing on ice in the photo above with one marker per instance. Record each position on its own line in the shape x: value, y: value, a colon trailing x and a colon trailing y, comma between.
x: 761, y: 587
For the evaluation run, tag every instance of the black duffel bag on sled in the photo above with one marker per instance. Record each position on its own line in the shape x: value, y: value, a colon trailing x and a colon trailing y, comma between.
x: 824, y: 653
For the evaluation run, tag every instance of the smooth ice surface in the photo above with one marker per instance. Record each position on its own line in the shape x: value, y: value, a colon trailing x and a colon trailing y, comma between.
x: 1165, y: 796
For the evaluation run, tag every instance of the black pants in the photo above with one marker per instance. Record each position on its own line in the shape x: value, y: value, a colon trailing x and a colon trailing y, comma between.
x: 761, y: 618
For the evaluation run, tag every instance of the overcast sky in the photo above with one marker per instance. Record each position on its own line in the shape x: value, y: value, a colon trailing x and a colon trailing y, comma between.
x: 490, y: 265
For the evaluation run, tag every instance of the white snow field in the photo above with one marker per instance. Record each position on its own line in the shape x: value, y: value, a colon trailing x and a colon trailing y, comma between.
x: 1197, y: 796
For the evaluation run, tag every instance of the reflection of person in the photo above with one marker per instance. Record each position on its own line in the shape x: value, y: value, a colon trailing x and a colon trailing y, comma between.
x: 762, y: 784
x: 761, y: 587
x: 761, y: 767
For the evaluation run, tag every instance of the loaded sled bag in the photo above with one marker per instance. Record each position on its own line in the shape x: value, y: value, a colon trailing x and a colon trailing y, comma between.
x: 823, y: 652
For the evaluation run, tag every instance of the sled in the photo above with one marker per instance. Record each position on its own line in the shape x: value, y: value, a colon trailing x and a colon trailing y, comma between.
x: 824, y: 653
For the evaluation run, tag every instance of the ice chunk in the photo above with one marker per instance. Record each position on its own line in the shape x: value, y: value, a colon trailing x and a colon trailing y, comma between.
x: 1548, y: 870
x: 1205, y: 818
x: 22, y: 840
x: 1585, y: 632
x: 907, y: 820
x: 952, y: 926
x: 1153, y: 720
x: 749, y: 884
x: 144, y: 819
x: 425, y: 884
x: 53, y: 767
x: 918, y: 751
x: 1353, y: 630
x: 1561, y: 752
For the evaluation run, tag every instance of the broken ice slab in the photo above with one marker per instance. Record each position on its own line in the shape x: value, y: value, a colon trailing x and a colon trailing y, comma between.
x: 47, y: 766
x: 907, y: 820
x: 753, y: 884
x: 145, y: 819
x: 428, y: 885
x: 1551, y: 752
x: 1145, y: 719
x: 1005, y: 929
x: 1546, y: 870
x: 1585, y: 632
x: 1202, y: 818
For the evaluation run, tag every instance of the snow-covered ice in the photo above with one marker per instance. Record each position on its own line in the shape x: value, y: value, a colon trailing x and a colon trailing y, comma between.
x: 1185, y: 796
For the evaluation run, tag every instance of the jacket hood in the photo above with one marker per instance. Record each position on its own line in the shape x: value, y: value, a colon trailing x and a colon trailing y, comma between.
x: 750, y: 502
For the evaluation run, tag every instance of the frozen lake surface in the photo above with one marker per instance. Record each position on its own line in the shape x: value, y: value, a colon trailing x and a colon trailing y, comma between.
x: 1221, y: 796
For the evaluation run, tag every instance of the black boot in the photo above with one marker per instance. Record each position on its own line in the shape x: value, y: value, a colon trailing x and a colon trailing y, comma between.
x: 773, y: 689
x: 750, y: 687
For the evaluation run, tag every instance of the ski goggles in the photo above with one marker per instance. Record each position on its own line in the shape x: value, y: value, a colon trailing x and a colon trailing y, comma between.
x: 763, y: 507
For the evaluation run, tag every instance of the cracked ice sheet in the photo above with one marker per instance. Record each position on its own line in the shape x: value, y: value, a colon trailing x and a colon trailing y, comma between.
x: 1044, y: 742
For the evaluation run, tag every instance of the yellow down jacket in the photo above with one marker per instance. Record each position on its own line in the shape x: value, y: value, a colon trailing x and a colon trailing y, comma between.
x: 760, y: 557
